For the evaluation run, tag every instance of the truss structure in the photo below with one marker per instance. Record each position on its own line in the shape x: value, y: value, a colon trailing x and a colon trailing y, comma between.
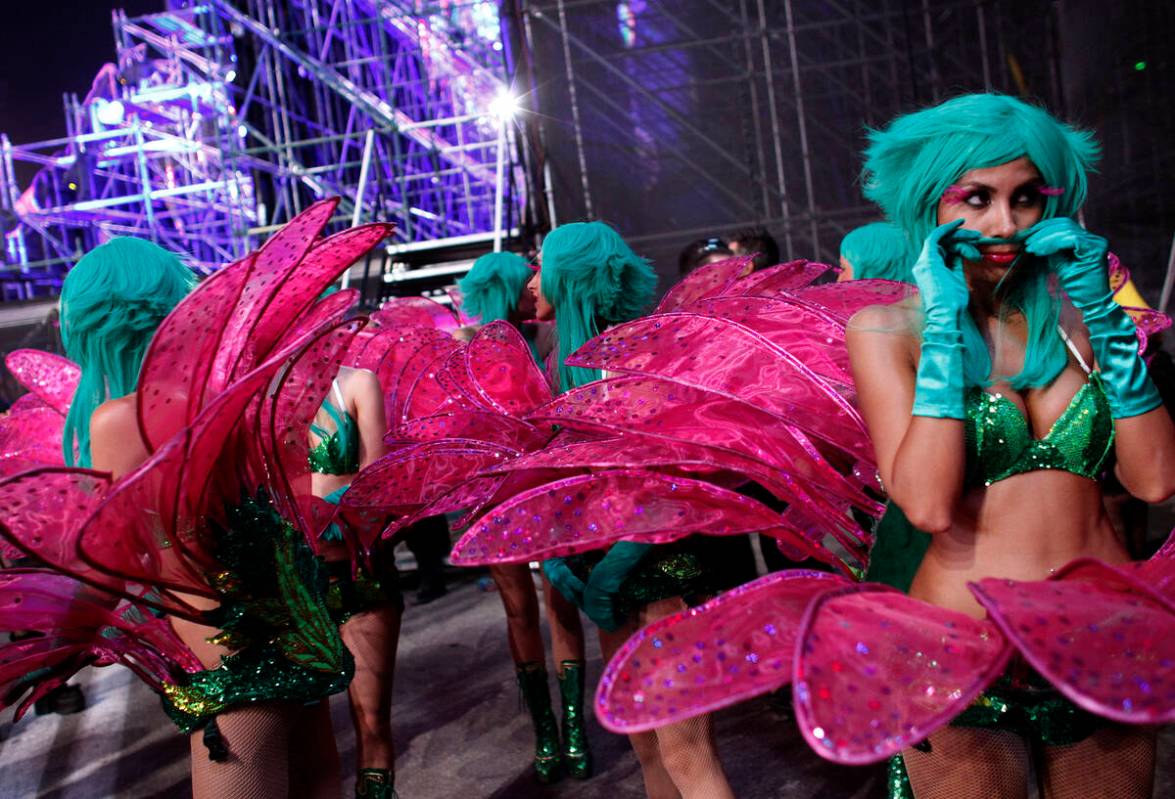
x: 754, y: 110
x: 222, y: 119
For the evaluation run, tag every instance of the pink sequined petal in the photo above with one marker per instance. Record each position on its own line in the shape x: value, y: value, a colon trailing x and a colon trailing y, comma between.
x: 877, y: 671
x: 845, y: 299
x: 403, y: 481
x: 780, y: 278
x: 42, y: 512
x: 408, y: 311
x: 705, y: 280
x: 53, y: 378
x: 492, y: 428
x: 718, y: 355
x: 1102, y: 639
x: 33, y: 435
x: 587, y: 511
x: 734, y: 647
x: 503, y: 370
x: 398, y: 369
x: 178, y: 365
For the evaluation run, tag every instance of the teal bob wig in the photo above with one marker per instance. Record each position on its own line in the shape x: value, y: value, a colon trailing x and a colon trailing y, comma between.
x: 593, y: 279
x: 879, y: 250
x: 912, y: 162
x: 491, y: 288
x: 112, y: 302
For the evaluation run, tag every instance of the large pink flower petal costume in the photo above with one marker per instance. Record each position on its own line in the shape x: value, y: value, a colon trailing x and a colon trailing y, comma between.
x: 748, y: 378
x: 225, y: 396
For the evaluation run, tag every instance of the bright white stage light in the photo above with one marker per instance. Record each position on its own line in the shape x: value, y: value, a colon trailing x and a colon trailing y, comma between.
x: 230, y: 76
x: 109, y: 113
x: 505, y: 106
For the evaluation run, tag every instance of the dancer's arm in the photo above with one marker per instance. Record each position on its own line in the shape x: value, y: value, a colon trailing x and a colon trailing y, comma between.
x: 921, y: 459
x: 367, y: 401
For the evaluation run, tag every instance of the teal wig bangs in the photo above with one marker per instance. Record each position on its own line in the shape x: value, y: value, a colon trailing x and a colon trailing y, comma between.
x: 593, y: 279
x: 491, y: 288
x: 910, y: 164
x: 112, y: 302
x: 879, y: 250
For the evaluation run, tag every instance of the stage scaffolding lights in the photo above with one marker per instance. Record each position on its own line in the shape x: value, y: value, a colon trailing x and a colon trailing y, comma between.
x: 218, y: 121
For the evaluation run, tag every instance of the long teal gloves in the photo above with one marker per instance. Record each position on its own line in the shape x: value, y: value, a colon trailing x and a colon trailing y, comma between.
x: 598, y: 596
x: 1078, y: 258
x: 938, y: 391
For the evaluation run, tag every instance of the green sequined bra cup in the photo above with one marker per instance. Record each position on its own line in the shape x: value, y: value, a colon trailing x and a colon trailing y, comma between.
x: 1000, y: 443
x: 337, y: 452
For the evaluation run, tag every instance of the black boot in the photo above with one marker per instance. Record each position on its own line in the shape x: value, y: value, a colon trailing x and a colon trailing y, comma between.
x: 576, y: 755
x: 532, y: 681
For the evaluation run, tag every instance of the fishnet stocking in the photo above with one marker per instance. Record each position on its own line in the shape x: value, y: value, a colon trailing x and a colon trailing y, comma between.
x: 1117, y: 761
x: 271, y: 747
x: 965, y: 762
x: 258, y: 744
x: 691, y: 759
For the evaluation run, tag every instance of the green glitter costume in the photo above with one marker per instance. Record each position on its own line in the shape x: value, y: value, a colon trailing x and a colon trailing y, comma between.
x: 273, y: 614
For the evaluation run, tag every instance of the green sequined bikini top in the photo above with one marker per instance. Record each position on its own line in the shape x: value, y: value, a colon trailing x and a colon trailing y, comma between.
x: 337, y: 452
x: 1000, y: 443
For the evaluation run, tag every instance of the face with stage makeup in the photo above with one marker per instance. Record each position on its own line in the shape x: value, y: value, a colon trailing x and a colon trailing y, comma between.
x: 998, y: 202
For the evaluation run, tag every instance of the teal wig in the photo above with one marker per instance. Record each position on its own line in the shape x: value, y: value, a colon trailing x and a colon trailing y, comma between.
x: 593, y: 280
x: 910, y: 164
x: 111, y: 304
x: 879, y: 250
x: 491, y: 288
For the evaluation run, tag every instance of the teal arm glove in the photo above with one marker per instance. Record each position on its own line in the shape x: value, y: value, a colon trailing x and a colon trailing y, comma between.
x: 1078, y: 258
x: 564, y: 580
x: 938, y: 391
x: 599, y: 596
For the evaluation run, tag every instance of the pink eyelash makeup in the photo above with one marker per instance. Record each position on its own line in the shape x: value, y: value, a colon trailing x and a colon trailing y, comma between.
x: 955, y: 195
x: 1052, y: 191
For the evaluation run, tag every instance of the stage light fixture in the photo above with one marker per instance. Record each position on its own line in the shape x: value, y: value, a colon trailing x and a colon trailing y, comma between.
x: 110, y: 113
x: 505, y: 106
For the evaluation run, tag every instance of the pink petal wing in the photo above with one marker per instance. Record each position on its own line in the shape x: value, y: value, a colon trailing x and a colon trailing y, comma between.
x: 404, y: 311
x: 504, y: 372
x: 705, y: 280
x: 492, y: 428
x: 53, y: 378
x: 404, y: 481
x: 845, y: 299
x: 1102, y: 638
x: 877, y: 671
x: 588, y: 511
x: 734, y: 647
x: 33, y: 435
x: 780, y: 278
x: 174, y: 377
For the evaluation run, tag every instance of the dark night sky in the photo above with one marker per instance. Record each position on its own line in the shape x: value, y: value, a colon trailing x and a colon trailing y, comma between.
x: 47, y: 48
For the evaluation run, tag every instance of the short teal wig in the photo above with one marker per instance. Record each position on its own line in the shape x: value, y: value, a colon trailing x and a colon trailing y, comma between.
x: 917, y: 157
x: 593, y: 279
x: 112, y: 302
x: 911, y: 163
x: 491, y: 288
x: 879, y: 250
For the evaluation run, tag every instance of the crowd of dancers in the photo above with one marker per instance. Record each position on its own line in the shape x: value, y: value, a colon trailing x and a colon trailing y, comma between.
x: 927, y: 449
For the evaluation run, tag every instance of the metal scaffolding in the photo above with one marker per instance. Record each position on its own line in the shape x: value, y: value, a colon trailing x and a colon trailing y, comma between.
x: 676, y: 120
x: 221, y: 120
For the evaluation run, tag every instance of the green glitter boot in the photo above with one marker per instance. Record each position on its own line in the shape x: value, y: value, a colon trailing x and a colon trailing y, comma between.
x: 532, y: 681
x: 374, y: 783
x: 576, y: 755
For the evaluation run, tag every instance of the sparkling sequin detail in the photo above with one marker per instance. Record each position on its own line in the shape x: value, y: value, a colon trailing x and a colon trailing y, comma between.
x: 273, y: 610
x: 1000, y: 443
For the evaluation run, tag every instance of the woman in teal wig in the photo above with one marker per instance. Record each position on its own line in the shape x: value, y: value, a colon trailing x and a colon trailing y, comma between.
x: 995, y: 404
x: 879, y: 250
x: 589, y: 280
x: 495, y: 289
x: 111, y: 303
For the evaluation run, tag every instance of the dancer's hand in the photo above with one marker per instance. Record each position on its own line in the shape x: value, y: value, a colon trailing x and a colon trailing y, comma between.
x: 603, y: 587
x: 1077, y: 257
x: 937, y: 273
